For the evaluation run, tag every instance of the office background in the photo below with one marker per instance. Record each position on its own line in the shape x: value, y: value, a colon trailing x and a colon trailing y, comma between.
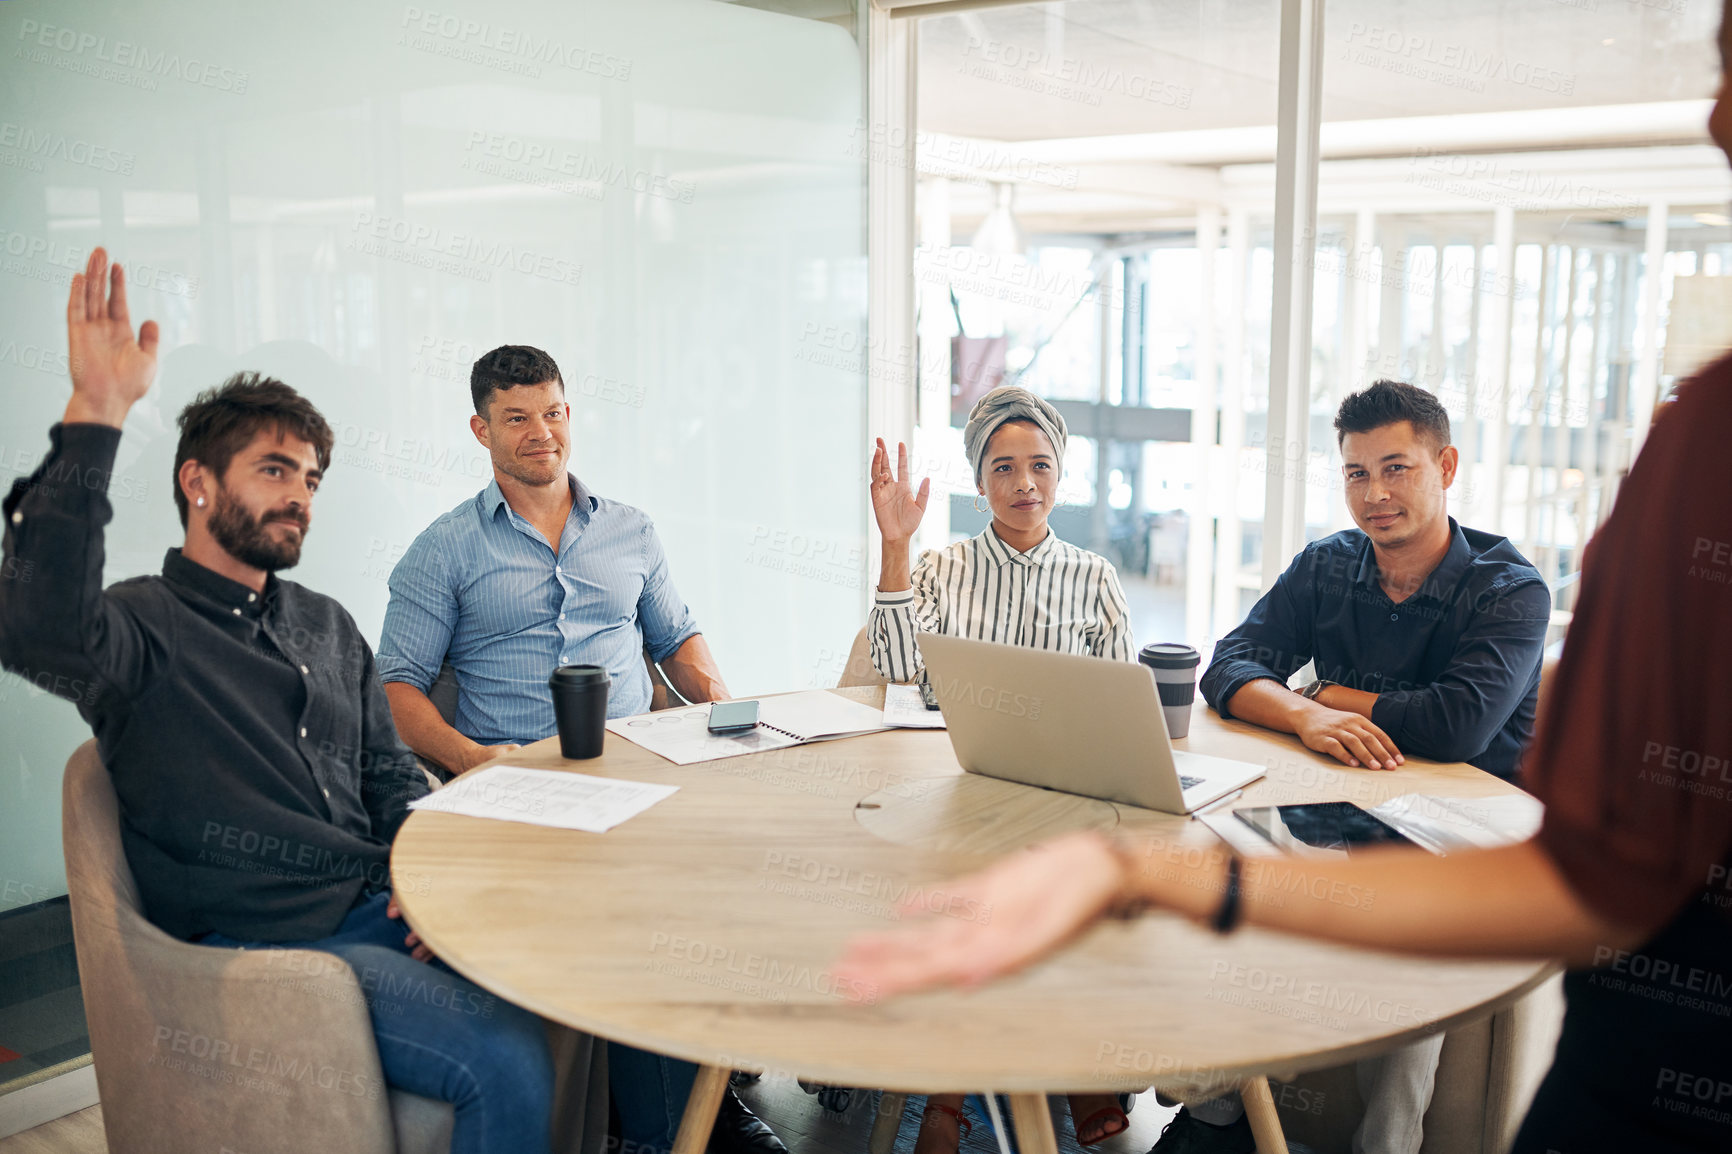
x: 699, y: 207
x: 667, y: 195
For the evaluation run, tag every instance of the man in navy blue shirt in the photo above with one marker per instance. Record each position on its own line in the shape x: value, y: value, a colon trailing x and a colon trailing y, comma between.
x: 1427, y: 637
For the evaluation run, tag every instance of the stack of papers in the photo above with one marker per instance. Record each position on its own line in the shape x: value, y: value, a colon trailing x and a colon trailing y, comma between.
x: 904, y: 708
x: 545, y: 797
x: 683, y: 735
x: 1446, y: 824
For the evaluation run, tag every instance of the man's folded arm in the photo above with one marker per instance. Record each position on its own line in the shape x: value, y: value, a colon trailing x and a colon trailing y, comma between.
x: 1459, y: 713
x: 1274, y: 641
x: 55, y: 619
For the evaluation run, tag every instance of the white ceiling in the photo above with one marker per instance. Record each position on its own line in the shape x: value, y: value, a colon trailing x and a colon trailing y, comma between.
x: 1121, y: 115
x: 1084, y: 68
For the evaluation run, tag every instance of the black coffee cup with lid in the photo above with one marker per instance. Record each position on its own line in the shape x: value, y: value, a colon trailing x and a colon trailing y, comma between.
x: 1175, y: 668
x: 580, y: 709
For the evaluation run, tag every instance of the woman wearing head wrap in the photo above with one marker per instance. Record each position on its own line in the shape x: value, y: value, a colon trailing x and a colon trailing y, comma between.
x: 1017, y: 584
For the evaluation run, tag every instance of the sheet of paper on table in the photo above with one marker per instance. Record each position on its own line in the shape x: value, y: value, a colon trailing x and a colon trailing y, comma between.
x: 1243, y: 840
x: 683, y: 735
x: 1446, y: 824
x: 545, y: 797
x: 905, y: 709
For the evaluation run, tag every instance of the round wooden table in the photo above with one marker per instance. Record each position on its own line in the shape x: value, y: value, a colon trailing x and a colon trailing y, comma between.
x: 705, y: 927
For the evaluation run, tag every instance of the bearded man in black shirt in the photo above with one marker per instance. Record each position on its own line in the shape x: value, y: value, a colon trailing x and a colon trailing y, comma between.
x: 259, y: 775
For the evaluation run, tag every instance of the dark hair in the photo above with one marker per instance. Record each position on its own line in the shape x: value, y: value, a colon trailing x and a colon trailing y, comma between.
x: 220, y: 422
x: 1387, y: 402
x: 507, y: 367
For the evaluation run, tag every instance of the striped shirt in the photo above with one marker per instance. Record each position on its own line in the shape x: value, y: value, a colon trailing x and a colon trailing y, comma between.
x: 1055, y: 596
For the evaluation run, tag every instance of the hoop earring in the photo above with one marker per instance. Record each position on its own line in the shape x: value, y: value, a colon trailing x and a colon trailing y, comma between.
x: 977, y: 507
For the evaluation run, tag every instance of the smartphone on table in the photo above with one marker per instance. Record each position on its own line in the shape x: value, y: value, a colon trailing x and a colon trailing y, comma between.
x: 733, y: 717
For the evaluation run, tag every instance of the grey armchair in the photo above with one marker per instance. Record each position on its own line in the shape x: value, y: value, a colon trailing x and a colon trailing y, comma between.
x: 203, y: 1048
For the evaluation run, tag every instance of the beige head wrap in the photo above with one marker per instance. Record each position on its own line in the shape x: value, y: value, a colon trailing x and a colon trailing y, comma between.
x: 1010, y: 403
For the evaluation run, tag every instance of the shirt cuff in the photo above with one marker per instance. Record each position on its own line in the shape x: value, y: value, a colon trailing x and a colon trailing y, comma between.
x: 1234, y: 678
x: 1389, y: 713
x: 894, y: 600
x: 91, y: 443
x: 84, y: 456
x: 395, y: 671
x: 680, y: 639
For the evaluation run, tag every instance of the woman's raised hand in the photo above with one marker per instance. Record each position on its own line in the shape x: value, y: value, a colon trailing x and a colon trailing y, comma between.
x: 894, y: 502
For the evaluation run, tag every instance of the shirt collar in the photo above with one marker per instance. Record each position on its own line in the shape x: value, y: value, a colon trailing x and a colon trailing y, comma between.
x: 1439, y: 581
x: 583, y: 502
x: 178, y: 569
x: 999, y: 553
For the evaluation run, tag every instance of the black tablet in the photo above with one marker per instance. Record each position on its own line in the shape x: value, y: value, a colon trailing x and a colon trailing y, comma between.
x: 1328, y: 825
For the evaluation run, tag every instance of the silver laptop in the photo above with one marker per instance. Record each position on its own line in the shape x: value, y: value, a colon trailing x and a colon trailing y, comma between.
x: 1085, y: 725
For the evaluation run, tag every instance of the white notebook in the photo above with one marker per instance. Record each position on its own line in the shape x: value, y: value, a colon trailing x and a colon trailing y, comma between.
x: 683, y: 735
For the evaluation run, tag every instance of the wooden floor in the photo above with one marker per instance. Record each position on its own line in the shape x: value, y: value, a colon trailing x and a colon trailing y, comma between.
x: 80, y: 1133
x: 796, y: 1116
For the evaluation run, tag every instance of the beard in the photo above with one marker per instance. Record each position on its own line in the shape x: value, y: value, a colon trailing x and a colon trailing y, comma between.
x: 248, y: 539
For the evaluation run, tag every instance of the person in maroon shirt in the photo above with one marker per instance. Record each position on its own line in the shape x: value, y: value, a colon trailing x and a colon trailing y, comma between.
x: 1629, y: 879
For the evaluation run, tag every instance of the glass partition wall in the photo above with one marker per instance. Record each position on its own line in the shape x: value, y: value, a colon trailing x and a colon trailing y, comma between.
x: 1518, y: 208
x: 667, y: 195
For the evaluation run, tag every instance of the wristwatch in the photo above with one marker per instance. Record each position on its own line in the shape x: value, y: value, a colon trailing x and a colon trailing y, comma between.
x: 1310, y: 692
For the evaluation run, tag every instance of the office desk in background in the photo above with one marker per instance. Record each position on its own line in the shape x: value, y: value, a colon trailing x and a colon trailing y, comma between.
x: 704, y: 928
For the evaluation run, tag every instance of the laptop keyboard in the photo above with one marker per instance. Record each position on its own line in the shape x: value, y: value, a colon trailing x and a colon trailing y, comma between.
x: 1186, y: 782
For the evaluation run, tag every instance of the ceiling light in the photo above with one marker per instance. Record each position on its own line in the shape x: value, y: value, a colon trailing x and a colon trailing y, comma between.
x: 998, y: 234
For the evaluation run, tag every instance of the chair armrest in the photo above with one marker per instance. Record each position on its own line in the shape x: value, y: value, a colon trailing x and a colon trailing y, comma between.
x: 203, y: 1046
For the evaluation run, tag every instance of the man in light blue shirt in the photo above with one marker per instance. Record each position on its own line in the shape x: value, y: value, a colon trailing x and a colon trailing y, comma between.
x: 532, y: 573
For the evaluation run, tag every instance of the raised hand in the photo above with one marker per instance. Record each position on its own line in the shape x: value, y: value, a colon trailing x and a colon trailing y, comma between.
x: 894, y: 502
x: 110, y: 368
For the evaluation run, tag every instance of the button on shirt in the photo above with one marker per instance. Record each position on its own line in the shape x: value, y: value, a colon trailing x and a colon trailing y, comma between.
x: 259, y: 775
x: 1055, y: 596
x: 481, y: 589
x: 1455, y: 666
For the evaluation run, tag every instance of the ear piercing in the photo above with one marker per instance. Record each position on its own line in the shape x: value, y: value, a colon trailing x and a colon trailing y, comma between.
x: 201, y: 502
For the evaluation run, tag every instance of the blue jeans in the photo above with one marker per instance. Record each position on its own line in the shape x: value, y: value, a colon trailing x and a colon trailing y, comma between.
x: 650, y: 1091
x: 443, y: 1037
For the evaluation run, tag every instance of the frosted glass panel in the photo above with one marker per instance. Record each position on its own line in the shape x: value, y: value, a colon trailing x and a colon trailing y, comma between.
x: 360, y: 199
